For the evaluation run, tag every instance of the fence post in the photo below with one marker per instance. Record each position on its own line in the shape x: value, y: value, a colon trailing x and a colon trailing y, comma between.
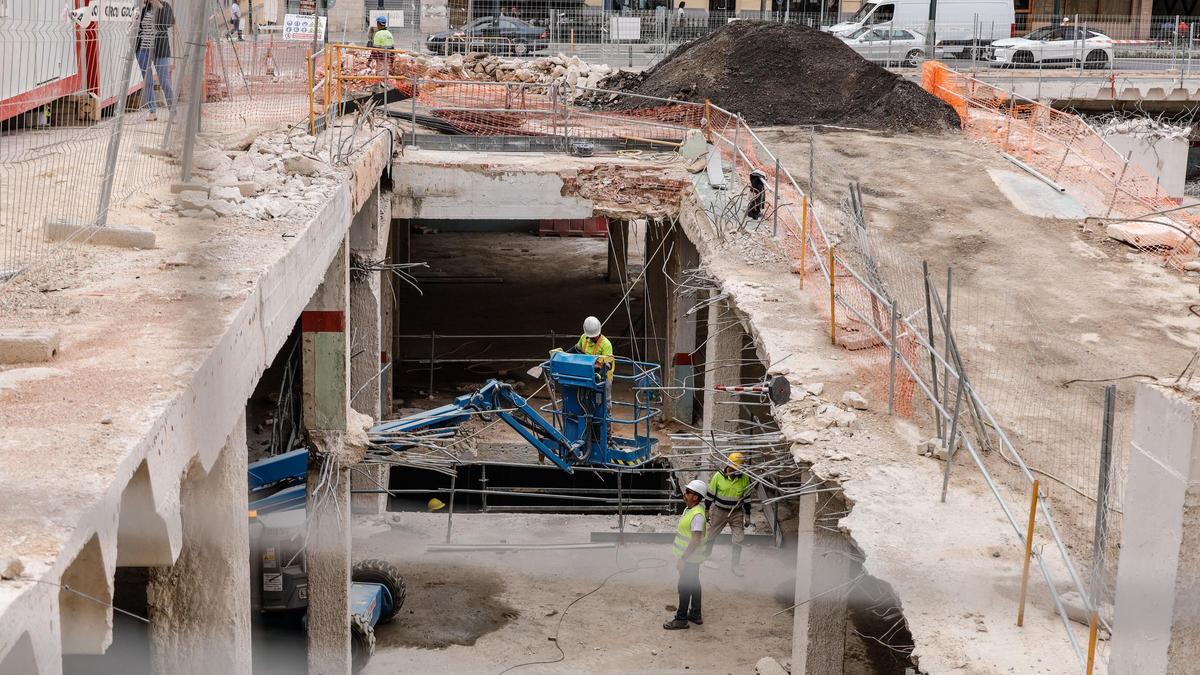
x: 192, y: 121
x: 775, y: 212
x: 1099, y: 539
x: 413, y: 133
x: 892, y: 365
x: 933, y: 381
x: 953, y: 437
x: 114, y: 140
x: 803, y: 236
x: 1028, y: 553
x: 832, y: 295
x: 1117, y: 185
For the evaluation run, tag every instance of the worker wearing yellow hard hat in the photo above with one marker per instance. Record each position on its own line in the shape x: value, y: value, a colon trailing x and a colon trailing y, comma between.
x: 728, y: 503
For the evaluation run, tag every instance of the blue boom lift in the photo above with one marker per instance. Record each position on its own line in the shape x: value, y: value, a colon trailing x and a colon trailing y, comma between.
x: 579, y: 425
x: 575, y: 428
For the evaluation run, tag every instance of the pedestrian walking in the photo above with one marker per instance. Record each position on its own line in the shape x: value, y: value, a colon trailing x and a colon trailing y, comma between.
x: 154, y: 52
x: 689, y: 553
x: 235, y: 18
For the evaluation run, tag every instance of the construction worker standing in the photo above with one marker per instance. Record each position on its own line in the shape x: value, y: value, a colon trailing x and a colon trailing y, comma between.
x: 595, y: 344
x: 382, y: 39
x: 729, y: 503
x: 689, y: 553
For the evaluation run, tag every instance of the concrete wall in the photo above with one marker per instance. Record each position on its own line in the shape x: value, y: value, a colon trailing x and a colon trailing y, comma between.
x: 1165, y: 159
x: 454, y: 192
x: 1157, y: 622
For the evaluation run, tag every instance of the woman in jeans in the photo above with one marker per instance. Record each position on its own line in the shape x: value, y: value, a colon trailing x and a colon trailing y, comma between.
x: 154, y: 51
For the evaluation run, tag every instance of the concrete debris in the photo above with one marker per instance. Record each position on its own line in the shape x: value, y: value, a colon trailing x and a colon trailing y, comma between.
x: 1146, y: 234
x: 192, y: 199
x: 829, y: 415
x: 694, y: 145
x: 1077, y: 610
x: 300, y: 164
x: 854, y: 400
x: 228, y: 193
x: 805, y: 437
x: 814, y: 388
x: 11, y: 568
x: 1145, y: 127
x: 210, y: 160
x: 769, y: 666
x: 28, y: 345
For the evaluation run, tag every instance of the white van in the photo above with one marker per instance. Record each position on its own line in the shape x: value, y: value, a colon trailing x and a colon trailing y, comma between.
x: 960, y: 23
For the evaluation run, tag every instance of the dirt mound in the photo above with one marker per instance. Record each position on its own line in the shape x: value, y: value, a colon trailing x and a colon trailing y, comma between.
x: 788, y: 74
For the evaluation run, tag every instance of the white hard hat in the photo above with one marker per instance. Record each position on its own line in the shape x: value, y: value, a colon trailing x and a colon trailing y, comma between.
x: 698, y: 487
x: 591, y: 327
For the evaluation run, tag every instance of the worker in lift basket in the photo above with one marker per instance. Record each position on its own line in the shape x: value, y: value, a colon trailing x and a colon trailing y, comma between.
x: 690, y: 551
x: 728, y: 502
x: 593, y: 343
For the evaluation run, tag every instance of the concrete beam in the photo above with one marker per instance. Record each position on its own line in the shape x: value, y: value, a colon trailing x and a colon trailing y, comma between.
x: 618, y: 252
x: 121, y: 236
x: 1157, y: 621
x: 325, y: 404
x: 683, y: 333
x: 822, y: 570
x: 28, y: 345
x: 460, y: 193
x: 200, y: 606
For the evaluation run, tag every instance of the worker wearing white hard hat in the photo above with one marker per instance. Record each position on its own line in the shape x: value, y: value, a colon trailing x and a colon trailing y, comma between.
x: 593, y: 343
x: 690, y: 552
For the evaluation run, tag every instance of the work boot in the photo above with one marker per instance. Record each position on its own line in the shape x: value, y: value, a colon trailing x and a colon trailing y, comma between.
x: 695, y: 618
x: 676, y: 624
x: 736, y: 567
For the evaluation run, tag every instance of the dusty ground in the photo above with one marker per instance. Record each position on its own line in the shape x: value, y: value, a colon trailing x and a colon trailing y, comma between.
x: 485, y: 612
x: 1036, y: 302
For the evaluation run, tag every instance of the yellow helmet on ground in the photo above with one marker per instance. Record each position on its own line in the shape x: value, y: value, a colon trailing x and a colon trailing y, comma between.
x: 736, y: 458
x: 436, y: 504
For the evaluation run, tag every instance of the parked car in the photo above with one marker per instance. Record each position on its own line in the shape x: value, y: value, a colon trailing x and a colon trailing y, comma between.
x: 499, y: 34
x: 962, y: 25
x: 888, y: 45
x: 1066, y: 45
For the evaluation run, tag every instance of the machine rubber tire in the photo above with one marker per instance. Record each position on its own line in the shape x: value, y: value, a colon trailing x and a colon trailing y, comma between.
x: 1022, y: 58
x: 362, y: 642
x: 376, y: 571
x: 520, y: 48
x: 913, y: 58
x: 1096, y: 59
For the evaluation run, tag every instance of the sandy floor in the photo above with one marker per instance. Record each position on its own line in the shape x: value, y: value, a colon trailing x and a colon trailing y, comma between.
x: 1037, y: 302
x: 484, y: 612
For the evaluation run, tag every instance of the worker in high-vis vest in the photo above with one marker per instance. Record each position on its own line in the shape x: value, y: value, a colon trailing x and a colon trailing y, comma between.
x: 593, y: 343
x: 690, y: 551
x: 382, y: 39
x: 728, y: 502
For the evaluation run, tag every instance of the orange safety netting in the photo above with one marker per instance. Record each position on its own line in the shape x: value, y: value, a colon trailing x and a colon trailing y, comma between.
x: 1067, y: 150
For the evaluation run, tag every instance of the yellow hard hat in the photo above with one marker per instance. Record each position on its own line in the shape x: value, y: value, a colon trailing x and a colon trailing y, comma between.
x: 436, y: 504
x: 735, y: 458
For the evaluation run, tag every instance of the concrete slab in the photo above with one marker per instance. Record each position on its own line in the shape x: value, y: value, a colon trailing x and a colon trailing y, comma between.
x: 28, y: 345
x: 1034, y: 197
x: 121, y: 236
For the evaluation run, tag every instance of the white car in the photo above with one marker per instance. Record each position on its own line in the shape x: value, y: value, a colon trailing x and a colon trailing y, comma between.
x: 888, y: 45
x: 1067, y: 45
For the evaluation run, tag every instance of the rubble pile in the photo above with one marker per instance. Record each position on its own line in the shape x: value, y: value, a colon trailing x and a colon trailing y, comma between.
x: 261, y: 176
x: 786, y: 74
x: 569, y: 73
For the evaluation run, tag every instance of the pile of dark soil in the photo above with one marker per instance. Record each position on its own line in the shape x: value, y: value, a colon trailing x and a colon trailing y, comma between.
x: 787, y: 74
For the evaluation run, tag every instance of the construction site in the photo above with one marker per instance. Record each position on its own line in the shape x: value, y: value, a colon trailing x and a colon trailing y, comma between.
x: 331, y: 359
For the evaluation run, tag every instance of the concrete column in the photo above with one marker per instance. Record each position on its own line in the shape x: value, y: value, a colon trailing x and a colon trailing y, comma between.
x: 1157, y: 622
x: 200, y: 606
x: 722, y: 365
x: 822, y: 570
x: 326, y: 400
x: 659, y: 291
x: 618, y: 252
x: 683, y: 333
x: 387, y: 312
x: 368, y: 241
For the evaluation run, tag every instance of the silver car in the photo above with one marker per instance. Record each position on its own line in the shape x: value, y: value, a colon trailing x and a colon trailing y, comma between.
x: 882, y: 44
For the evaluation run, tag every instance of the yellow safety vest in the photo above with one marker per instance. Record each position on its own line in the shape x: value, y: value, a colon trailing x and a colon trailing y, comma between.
x: 383, y: 39
x: 683, y: 535
x: 599, y: 347
x: 726, y: 491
